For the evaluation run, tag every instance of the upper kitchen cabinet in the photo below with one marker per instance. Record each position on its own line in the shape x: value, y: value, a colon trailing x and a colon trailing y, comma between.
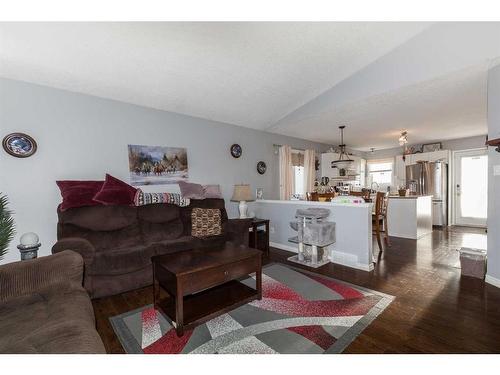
x: 441, y: 155
x: 326, y: 165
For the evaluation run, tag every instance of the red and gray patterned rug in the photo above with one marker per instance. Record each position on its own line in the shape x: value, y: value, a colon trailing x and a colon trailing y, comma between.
x: 300, y: 312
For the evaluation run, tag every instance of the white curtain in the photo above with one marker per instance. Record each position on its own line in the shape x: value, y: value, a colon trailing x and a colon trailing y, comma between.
x: 286, y: 172
x: 309, y: 170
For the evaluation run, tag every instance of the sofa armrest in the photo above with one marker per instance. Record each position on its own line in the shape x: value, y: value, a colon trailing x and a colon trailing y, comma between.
x: 58, y: 271
x: 80, y: 245
x: 236, y: 230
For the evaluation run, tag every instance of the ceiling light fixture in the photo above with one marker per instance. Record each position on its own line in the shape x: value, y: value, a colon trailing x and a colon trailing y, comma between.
x: 344, y: 161
x: 403, y: 138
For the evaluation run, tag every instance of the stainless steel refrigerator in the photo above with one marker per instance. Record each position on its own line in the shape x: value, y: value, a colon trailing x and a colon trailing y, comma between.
x: 431, y: 178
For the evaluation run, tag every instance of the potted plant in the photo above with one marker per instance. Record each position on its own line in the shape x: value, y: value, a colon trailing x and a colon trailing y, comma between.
x: 6, y: 226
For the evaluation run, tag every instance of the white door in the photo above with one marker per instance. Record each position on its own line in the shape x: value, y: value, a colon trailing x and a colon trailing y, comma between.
x: 471, y: 187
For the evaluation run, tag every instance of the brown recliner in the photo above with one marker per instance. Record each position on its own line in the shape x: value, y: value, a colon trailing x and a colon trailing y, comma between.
x: 45, y: 309
x: 117, y: 242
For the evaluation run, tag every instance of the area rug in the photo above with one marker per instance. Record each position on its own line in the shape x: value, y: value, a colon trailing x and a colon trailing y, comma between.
x: 300, y: 312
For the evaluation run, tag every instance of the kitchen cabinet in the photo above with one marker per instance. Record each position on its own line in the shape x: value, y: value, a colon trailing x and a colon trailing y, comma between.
x: 410, y: 216
x: 441, y: 155
x: 326, y: 165
x: 399, y: 171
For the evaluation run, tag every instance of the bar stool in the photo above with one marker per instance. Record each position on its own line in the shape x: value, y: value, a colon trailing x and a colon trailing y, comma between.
x: 313, y: 236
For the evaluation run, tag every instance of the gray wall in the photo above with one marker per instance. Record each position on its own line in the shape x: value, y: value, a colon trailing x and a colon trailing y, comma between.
x: 84, y: 137
x: 450, y: 144
x: 494, y: 181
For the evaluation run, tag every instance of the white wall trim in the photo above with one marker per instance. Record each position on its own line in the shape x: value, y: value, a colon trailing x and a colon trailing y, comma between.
x: 357, y: 265
x: 452, y: 188
x: 283, y: 247
x: 492, y: 281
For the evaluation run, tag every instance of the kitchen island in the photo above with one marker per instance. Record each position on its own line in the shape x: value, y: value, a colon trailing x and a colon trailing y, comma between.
x: 353, y: 246
x: 410, y: 216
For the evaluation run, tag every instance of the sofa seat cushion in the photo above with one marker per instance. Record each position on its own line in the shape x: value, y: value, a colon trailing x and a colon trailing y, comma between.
x: 62, y: 337
x: 172, y: 246
x: 118, y: 261
x: 28, y: 314
x: 130, y: 259
x: 212, y: 241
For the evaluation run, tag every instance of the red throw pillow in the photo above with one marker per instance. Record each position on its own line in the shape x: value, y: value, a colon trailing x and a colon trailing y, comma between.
x: 78, y: 193
x: 115, y: 192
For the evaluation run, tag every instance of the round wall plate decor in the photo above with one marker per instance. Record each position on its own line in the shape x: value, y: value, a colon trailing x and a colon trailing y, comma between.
x: 19, y: 145
x: 236, y: 150
x: 261, y: 167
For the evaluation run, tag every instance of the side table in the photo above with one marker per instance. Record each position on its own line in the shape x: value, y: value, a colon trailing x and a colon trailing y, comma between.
x: 254, y: 225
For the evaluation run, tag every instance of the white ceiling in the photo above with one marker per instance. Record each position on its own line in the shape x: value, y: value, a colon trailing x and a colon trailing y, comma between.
x: 298, y: 79
x: 248, y: 74
x: 449, y: 107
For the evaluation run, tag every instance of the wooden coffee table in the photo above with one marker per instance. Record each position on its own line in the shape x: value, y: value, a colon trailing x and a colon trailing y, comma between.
x: 202, y: 283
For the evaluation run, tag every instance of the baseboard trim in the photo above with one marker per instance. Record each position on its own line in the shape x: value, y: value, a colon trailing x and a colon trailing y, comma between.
x: 284, y: 247
x: 356, y: 265
x: 492, y: 281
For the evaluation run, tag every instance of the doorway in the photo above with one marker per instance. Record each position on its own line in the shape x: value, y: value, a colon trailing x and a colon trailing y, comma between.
x: 470, y: 187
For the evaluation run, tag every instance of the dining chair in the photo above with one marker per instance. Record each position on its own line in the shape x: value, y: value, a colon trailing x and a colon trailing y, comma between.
x: 379, y: 219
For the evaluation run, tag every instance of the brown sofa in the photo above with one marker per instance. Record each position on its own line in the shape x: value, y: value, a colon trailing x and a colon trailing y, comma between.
x: 117, y: 242
x: 45, y: 309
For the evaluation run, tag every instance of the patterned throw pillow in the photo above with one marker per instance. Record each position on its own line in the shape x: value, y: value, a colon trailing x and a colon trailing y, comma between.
x: 205, y: 222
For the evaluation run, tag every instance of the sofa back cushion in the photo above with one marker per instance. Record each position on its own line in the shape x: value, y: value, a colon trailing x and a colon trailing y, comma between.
x: 100, y: 218
x: 105, y: 227
x: 160, y: 222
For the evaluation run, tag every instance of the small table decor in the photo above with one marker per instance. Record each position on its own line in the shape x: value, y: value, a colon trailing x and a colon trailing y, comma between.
x: 29, y: 246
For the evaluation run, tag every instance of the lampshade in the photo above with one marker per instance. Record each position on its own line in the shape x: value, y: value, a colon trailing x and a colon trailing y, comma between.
x: 242, y: 193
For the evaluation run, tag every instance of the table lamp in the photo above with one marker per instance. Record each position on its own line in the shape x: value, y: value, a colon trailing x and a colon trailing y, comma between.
x: 242, y: 194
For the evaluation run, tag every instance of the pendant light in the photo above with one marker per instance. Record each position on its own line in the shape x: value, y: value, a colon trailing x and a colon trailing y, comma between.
x: 344, y: 161
x: 403, y: 138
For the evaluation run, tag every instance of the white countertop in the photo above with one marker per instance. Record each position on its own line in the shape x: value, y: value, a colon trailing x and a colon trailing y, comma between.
x: 314, y: 203
x: 409, y: 196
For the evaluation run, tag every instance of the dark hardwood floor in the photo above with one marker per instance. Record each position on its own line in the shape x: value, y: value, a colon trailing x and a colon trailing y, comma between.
x: 435, y: 310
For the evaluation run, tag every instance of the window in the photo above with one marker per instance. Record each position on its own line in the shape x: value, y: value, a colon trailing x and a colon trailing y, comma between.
x: 298, y: 173
x: 298, y: 181
x: 380, y: 172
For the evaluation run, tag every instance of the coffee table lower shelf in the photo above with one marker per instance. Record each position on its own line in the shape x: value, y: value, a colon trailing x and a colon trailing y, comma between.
x: 208, y: 304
